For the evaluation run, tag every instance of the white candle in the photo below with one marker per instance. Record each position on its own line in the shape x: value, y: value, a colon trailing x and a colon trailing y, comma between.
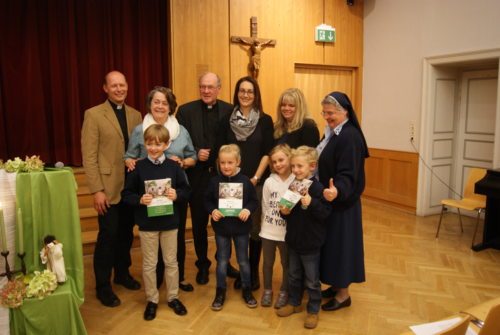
x: 20, y: 234
x: 3, y: 238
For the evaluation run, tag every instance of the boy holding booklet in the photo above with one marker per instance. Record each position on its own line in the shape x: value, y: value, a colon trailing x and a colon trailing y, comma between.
x: 305, y: 233
x: 230, y: 199
x: 153, y: 214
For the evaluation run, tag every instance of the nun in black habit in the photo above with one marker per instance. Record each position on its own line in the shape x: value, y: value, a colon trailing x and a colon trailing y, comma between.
x: 341, y: 171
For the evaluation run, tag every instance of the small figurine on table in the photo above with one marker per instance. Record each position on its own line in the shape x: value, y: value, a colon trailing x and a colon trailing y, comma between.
x: 52, y: 255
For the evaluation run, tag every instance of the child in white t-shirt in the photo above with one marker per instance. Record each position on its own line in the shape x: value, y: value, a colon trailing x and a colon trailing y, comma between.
x: 273, y: 226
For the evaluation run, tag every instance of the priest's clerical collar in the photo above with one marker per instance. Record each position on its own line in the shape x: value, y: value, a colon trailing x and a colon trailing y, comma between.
x: 115, y: 106
x: 211, y: 106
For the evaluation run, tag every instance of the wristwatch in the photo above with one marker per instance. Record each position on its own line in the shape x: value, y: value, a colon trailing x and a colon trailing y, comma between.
x: 256, y: 178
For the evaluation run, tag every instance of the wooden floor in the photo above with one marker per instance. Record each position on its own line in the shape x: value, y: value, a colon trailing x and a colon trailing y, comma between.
x: 411, y: 278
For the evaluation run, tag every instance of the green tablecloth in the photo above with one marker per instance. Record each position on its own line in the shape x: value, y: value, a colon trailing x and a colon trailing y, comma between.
x: 50, y: 207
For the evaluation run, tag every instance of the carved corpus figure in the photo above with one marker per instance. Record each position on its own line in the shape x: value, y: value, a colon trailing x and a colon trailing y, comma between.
x: 256, y: 46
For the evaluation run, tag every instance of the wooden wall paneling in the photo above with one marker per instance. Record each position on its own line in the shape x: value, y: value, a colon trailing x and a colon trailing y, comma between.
x: 392, y: 176
x: 200, y: 42
x: 292, y: 24
x: 299, y: 37
x: 316, y: 81
x: 348, y: 23
x: 375, y: 175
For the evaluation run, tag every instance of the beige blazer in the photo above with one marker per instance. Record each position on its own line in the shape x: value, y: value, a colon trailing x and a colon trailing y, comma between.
x: 103, y: 149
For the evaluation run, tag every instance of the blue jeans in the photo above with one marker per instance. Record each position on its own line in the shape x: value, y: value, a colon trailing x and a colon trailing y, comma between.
x: 303, y: 270
x: 224, y: 252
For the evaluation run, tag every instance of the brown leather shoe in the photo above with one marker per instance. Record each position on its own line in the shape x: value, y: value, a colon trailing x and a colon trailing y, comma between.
x: 288, y: 310
x: 311, y: 321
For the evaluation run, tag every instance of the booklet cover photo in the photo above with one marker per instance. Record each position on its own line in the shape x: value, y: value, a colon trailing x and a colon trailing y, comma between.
x: 296, y: 190
x: 230, y: 198
x: 160, y: 205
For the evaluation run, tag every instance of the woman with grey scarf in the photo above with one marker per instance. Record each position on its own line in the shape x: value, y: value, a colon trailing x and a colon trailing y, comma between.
x: 252, y: 130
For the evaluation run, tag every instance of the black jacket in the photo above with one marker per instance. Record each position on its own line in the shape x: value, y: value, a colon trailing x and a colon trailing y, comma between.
x: 190, y: 115
x: 306, y: 228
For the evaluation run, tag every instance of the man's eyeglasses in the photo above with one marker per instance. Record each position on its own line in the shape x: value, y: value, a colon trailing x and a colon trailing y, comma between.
x: 207, y: 87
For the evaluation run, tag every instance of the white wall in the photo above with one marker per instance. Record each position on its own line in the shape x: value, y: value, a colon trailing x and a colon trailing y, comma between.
x: 398, y: 35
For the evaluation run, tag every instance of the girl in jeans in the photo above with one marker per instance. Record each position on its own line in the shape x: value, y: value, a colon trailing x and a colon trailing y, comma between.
x: 231, y: 223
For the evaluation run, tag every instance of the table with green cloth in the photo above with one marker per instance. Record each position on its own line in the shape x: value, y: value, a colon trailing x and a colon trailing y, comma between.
x: 49, y: 206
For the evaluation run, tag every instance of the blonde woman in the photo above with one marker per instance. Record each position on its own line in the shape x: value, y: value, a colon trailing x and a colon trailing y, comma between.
x: 294, y: 125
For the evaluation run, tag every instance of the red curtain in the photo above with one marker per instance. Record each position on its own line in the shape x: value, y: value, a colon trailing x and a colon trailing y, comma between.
x: 53, y: 58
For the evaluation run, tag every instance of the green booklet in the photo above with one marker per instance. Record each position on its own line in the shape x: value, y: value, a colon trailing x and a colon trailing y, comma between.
x: 296, y: 190
x: 230, y: 198
x: 160, y: 205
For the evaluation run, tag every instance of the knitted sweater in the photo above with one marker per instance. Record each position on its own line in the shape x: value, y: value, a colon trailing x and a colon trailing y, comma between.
x: 135, y: 188
x: 230, y: 226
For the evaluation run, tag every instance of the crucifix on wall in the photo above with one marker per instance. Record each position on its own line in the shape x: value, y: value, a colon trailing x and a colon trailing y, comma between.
x: 256, y: 46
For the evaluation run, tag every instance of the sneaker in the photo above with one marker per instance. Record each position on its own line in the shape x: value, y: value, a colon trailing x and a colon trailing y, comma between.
x: 220, y: 297
x: 311, y: 321
x: 282, y: 300
x: 267, y: 298
x: 288, y: 310
x: 249, y: 298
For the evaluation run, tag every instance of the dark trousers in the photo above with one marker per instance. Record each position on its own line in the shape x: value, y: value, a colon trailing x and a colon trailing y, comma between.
x: 199, y: 180
x: 181, y: 245
x: 112, y: 248
x: 303, y: 272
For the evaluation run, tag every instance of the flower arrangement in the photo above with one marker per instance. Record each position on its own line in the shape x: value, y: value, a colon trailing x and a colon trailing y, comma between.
x: 42, y: 284
x: 30, y: 164
x: 12, y: 293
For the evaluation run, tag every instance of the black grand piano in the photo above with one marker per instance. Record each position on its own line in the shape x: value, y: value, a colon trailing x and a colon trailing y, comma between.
x: 490, y: 186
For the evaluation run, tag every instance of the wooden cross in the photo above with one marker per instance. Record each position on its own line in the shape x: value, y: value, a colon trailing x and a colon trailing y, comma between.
x: 256, y: 46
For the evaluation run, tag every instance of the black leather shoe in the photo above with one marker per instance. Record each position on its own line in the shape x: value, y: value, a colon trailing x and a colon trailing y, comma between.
x: 333, y: 304
x: 237, y: 283
x: 202, y: 276
x: 128, y: 281
x: 150, y: 311
x: 177, y: 306
x: 328, y: 293
x: 232, y: 272
x: 186, y: 287
x: 108, y: 299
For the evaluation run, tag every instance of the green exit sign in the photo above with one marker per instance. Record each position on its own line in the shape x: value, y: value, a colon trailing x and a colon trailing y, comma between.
x: 325, y: 33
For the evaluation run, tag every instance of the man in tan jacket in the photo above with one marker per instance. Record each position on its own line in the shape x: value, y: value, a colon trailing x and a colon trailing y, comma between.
x: 105, y: 133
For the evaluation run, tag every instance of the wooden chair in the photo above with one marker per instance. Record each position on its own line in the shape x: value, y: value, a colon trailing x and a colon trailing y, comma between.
x: 458, y: 329
x: 471, y: 201
x: 492, y: 322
